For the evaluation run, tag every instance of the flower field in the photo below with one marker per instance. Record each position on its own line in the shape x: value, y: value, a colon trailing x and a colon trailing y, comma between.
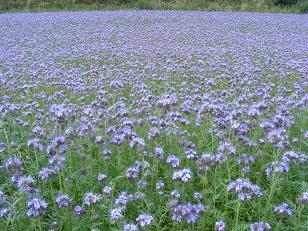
x: 153, y: 120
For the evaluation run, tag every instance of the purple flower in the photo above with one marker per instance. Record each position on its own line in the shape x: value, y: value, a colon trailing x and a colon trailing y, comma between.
x: 56, y: 162
x: 159, y: 153
x: 107, y: 191
x: 130, y: 227
x: 35, y: 144
x: 116, y: 214
x: 26, y: 184
x: 173, y: 161
x: 175, y: 194
x: 137, y: 142
x: 63, y: 201
x: 132, y: 172
x: 46, y: 173
x: 2, y: 146
x: 101, y: 177
x: 226, y: 148
x: 13, y: 165
x: 197, y: 195
x: 79, y: 211
x: 2, y: 198
x: 36, y: 207
x: 144, y: 220
x: 277, y: 167
x: 106, y: 154
x: 244, y: 189
x: 99, y: 140
x: 184, y: 175
x: 58, y: 141
x: 191, y: 154
x: 260, y: 226
x: 302, y: 199
x: 6, y: 212
x: 159, y: 187
x: 283, y: 210
x: 245, y: 159
x: 122, y: 200
x: 189, y: 211
x: 220, y: 226
x: 292, y: 157
x: 91, y: 199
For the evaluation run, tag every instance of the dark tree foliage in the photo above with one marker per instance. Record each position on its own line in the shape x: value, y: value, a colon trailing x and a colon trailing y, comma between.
x: 285, y: 2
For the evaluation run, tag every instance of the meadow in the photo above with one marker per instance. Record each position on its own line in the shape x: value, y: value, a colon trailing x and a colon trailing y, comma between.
x: 153, y: 120
x: 285, y: 6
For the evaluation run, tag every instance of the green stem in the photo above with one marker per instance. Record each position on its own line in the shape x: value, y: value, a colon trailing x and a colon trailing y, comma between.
x: 39, y: 224
x: 60, y: 180
x: 70, y: 217
x: 238, y: 206
x: 228, y: 169
x: 272, y: 190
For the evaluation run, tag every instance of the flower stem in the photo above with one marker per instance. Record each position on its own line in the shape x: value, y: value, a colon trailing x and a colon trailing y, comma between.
x: 272, y: 190
x: 238, y: 206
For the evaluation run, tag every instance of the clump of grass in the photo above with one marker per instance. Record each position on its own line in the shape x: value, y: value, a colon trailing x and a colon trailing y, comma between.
x: 302, y: 6
x: 144, y: 5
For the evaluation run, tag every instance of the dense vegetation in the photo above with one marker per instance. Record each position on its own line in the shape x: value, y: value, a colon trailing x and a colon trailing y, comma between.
x: 227, y: 5
x: 197, y: 123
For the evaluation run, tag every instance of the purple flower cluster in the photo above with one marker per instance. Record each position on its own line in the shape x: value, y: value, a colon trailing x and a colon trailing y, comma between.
x: 36, y: 207
x: 183, y: 175
x: 91, y: 198
x: 63, y: 201
x: 244, y: 189
x: 188, y: 211
x: 302, y: 199
x: 283, y: 210
x: 260, y: 226
x: 144, y: 220
x: 220, y: 226
x: 288, y: 159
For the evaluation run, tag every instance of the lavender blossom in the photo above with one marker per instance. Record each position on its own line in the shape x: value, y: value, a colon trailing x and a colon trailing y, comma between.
x: 244, y: 189
x: 46, y: 173
x: 130, y: 227
x: 159, y: 187
x: 6, y: 212
x: 189, y: 211
x: 260, y: 226
x: 79, y: 211
x: 2, y: 198
x: 116, y: 214
x: 63, y: 201
x: 184, y: 175
x: 107, y: 191
x: 159, y: 153
x: 283, y: 210
x: 91, y: 199
x: 36, y: 207
x: 173, y: 161
x: 13, y: 165
x: 26, y: 184
x: 302, y: 199
x: 220, y: 226
x: 144, y: 220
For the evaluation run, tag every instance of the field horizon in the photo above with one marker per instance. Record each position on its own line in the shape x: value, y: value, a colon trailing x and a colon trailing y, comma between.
x: 283, y: 6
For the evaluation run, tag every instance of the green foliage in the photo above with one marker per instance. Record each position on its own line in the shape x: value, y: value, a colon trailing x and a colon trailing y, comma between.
x: 144, y: 5
x: 289, y: 6
x: 285, y: 2
x: 302, y: 6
